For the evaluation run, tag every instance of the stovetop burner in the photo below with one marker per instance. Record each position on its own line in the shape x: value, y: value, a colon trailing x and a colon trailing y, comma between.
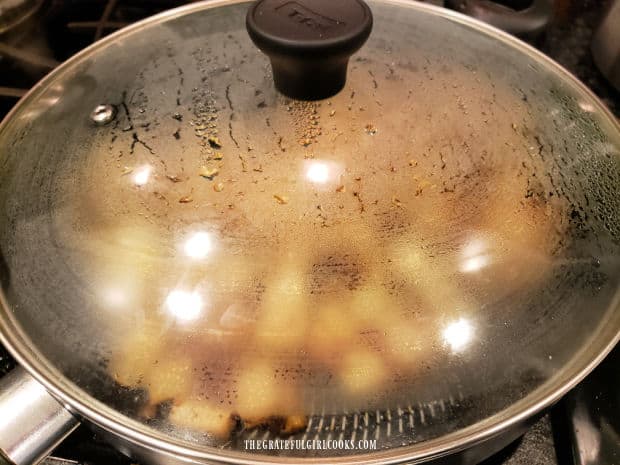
x: 581, y: 429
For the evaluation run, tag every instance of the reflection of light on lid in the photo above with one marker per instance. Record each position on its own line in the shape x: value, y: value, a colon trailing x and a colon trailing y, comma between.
x: 142, y: 176
x: 585, y: 106
x: 185, y: 306
x: 318, y: 172
x: 198, y: 245
x: 473, y: 264
x: 115, y: 297
x: 458, y: 334
x: 475, y: 256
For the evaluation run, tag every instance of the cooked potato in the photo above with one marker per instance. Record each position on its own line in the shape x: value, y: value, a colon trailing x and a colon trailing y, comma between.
x: 432, y: 278
x: 136, y: 355
x: 169, y: 378
x: 294, y: 424
x: 343, y: 319
x: 260, y: 395
x: 370, y: 305
x: 362, y: 372
x: 405, y: 342
x: 331, y: 330
x: 200, y: 415
x: 282, y: 323
x: 125, y: 259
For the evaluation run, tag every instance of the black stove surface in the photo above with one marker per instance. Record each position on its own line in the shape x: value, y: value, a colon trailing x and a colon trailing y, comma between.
x: 63, y: 27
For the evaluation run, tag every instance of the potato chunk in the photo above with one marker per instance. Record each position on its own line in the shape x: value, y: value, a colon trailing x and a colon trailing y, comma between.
x: 294, y: 424
x: 432, y: 278
x: 169, y: 379
x: 136, y: 355
x: 200, y: 415
x: 331, y: 329
x: 405, y: 342
x: 260, y: 395
x: 362, y: 372
x: 370, y: 305
x: 283, y: 319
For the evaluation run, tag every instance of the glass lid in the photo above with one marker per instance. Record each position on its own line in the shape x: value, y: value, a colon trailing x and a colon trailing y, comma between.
x: 218, y: 262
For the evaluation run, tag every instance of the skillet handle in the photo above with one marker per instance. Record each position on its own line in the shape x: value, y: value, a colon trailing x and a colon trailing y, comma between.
x: 33, y: 422
x: 526, y: 23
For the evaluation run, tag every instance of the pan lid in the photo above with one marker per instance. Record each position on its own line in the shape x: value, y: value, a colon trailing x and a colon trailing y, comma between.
x: 194, y: 259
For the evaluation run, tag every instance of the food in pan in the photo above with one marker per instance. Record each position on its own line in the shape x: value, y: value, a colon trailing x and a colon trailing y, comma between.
x: 246, y: 370
x: 346, y: 286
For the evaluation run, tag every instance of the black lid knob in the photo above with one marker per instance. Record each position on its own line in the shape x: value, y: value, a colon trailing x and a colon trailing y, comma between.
x: 309, y: 42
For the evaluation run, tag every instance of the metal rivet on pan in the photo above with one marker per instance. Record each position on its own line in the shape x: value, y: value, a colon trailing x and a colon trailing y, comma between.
x: 103, y: 114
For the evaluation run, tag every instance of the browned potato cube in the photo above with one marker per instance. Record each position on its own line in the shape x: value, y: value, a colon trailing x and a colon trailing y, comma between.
x: 332, y: 329
x: 260, y: 395
x: 406, y: 343
x: 370, y: 305
x: 136, y: 354
x: 200, y: 415
x: 294, y: 424
x: 169, y: 379
x: 362, y: 372
x: 282, y: 323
